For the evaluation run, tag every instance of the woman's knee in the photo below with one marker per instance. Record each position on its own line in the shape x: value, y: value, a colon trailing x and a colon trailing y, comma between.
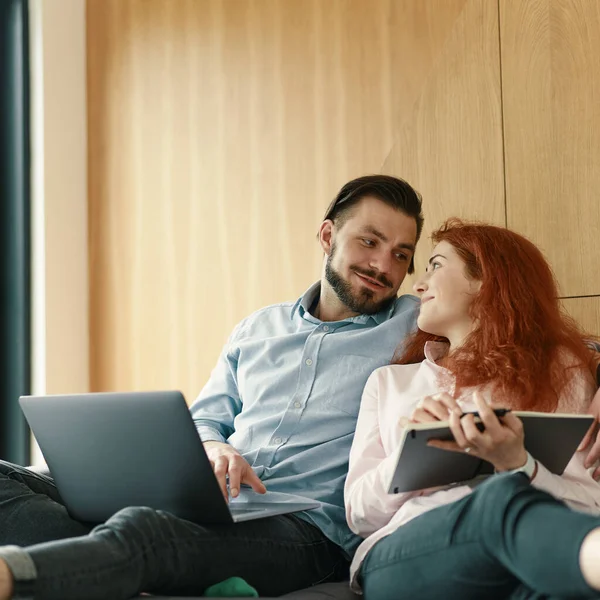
x: 503, y: 497
x: 503, y: 487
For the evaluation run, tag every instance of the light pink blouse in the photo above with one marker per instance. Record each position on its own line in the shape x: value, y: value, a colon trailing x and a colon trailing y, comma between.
x: 392, y: 392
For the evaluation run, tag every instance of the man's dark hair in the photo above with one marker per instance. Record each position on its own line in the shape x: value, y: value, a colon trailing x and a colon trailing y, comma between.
x: 395, y: 192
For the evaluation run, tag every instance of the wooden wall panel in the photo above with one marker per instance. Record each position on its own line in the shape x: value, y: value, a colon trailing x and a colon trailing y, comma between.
x: 551, y: 90
x: 449, y: 135
x: 220, y: 129
x: 586, y: 311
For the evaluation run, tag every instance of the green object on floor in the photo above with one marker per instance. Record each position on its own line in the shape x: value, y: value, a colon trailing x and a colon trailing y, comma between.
x: 234, y: 587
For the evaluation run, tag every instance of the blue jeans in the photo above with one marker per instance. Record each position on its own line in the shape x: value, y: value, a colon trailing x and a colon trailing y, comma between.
x: 505, y: 540
x: 144, y: 550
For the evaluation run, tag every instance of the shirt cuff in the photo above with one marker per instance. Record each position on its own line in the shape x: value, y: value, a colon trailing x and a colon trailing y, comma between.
x: 208, y: 434
x: 544, y: 480
x: 529, y: 468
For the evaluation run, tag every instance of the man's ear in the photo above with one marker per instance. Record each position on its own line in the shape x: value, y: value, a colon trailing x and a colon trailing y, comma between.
x: 326, y: 235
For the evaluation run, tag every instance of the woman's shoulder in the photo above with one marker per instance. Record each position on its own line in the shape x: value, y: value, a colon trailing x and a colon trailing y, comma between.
x: 579, y: 387
x: 393, y: 372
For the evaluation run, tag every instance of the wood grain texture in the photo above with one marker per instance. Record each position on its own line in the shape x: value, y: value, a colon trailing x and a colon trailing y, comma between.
x: 586, y: 311
x: 448, y: 140
x: 220, y: 129
x: 551, y: 87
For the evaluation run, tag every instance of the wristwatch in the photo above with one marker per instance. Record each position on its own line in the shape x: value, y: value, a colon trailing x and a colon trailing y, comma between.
x: 529, y: 468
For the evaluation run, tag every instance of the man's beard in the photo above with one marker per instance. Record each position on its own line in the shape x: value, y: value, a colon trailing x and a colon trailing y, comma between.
x: 359, y: 302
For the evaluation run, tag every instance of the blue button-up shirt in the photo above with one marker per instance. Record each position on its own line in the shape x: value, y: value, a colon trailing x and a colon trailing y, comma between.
x: 286, y: 393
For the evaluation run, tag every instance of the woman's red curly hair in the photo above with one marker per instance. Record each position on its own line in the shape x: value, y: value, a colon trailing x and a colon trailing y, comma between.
x: 522, y: 337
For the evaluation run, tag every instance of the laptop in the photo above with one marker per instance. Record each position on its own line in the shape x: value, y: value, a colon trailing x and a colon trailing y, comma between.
x: 107, y: 451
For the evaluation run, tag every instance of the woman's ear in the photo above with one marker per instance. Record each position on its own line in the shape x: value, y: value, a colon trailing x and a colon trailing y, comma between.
x: 326, y: 235
x: 475, y: 286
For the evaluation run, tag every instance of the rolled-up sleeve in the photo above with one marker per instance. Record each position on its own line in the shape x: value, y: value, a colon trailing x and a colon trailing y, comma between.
x: 219, y: 402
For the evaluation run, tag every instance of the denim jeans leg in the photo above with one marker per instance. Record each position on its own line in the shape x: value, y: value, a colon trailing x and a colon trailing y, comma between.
x: 31, y: 510
x: 144, y: 550
x: 423, y: 559
x: 505, y: 540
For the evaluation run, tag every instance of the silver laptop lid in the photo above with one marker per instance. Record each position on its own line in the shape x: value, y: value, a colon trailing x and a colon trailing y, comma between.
x: 107, y: 451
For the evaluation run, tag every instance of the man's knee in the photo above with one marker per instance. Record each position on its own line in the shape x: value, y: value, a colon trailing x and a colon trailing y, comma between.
x: 146, y: 520
x: 9, y: 470
x: 6, y: 468
x: 134, y: 521
x: 138, y: 516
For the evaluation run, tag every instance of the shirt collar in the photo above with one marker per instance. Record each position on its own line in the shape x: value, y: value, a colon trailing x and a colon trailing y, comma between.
x: 385, y: 314
x: 303, y: 304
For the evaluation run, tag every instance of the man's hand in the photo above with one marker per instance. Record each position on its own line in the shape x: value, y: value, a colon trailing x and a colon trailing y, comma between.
x: 227, y: 461
x: 593, y: 434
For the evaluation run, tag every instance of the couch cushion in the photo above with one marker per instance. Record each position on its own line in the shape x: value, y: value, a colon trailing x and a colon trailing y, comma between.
x: 325, y: 591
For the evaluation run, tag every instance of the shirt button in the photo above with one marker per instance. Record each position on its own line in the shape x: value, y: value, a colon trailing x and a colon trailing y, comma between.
x: 325, y: 327
x: 277, y: 441
x: 308, y: 362
x: 297, y: 404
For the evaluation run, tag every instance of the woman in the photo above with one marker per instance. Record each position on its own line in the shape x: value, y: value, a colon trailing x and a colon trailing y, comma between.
x: 490, y: 332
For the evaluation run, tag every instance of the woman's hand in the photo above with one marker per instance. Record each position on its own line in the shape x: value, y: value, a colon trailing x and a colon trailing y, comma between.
x: 501, y: 443
x: 432, y: 408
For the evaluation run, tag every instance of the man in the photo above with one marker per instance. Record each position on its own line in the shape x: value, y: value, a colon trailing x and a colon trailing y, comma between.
x: 279, y: 411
